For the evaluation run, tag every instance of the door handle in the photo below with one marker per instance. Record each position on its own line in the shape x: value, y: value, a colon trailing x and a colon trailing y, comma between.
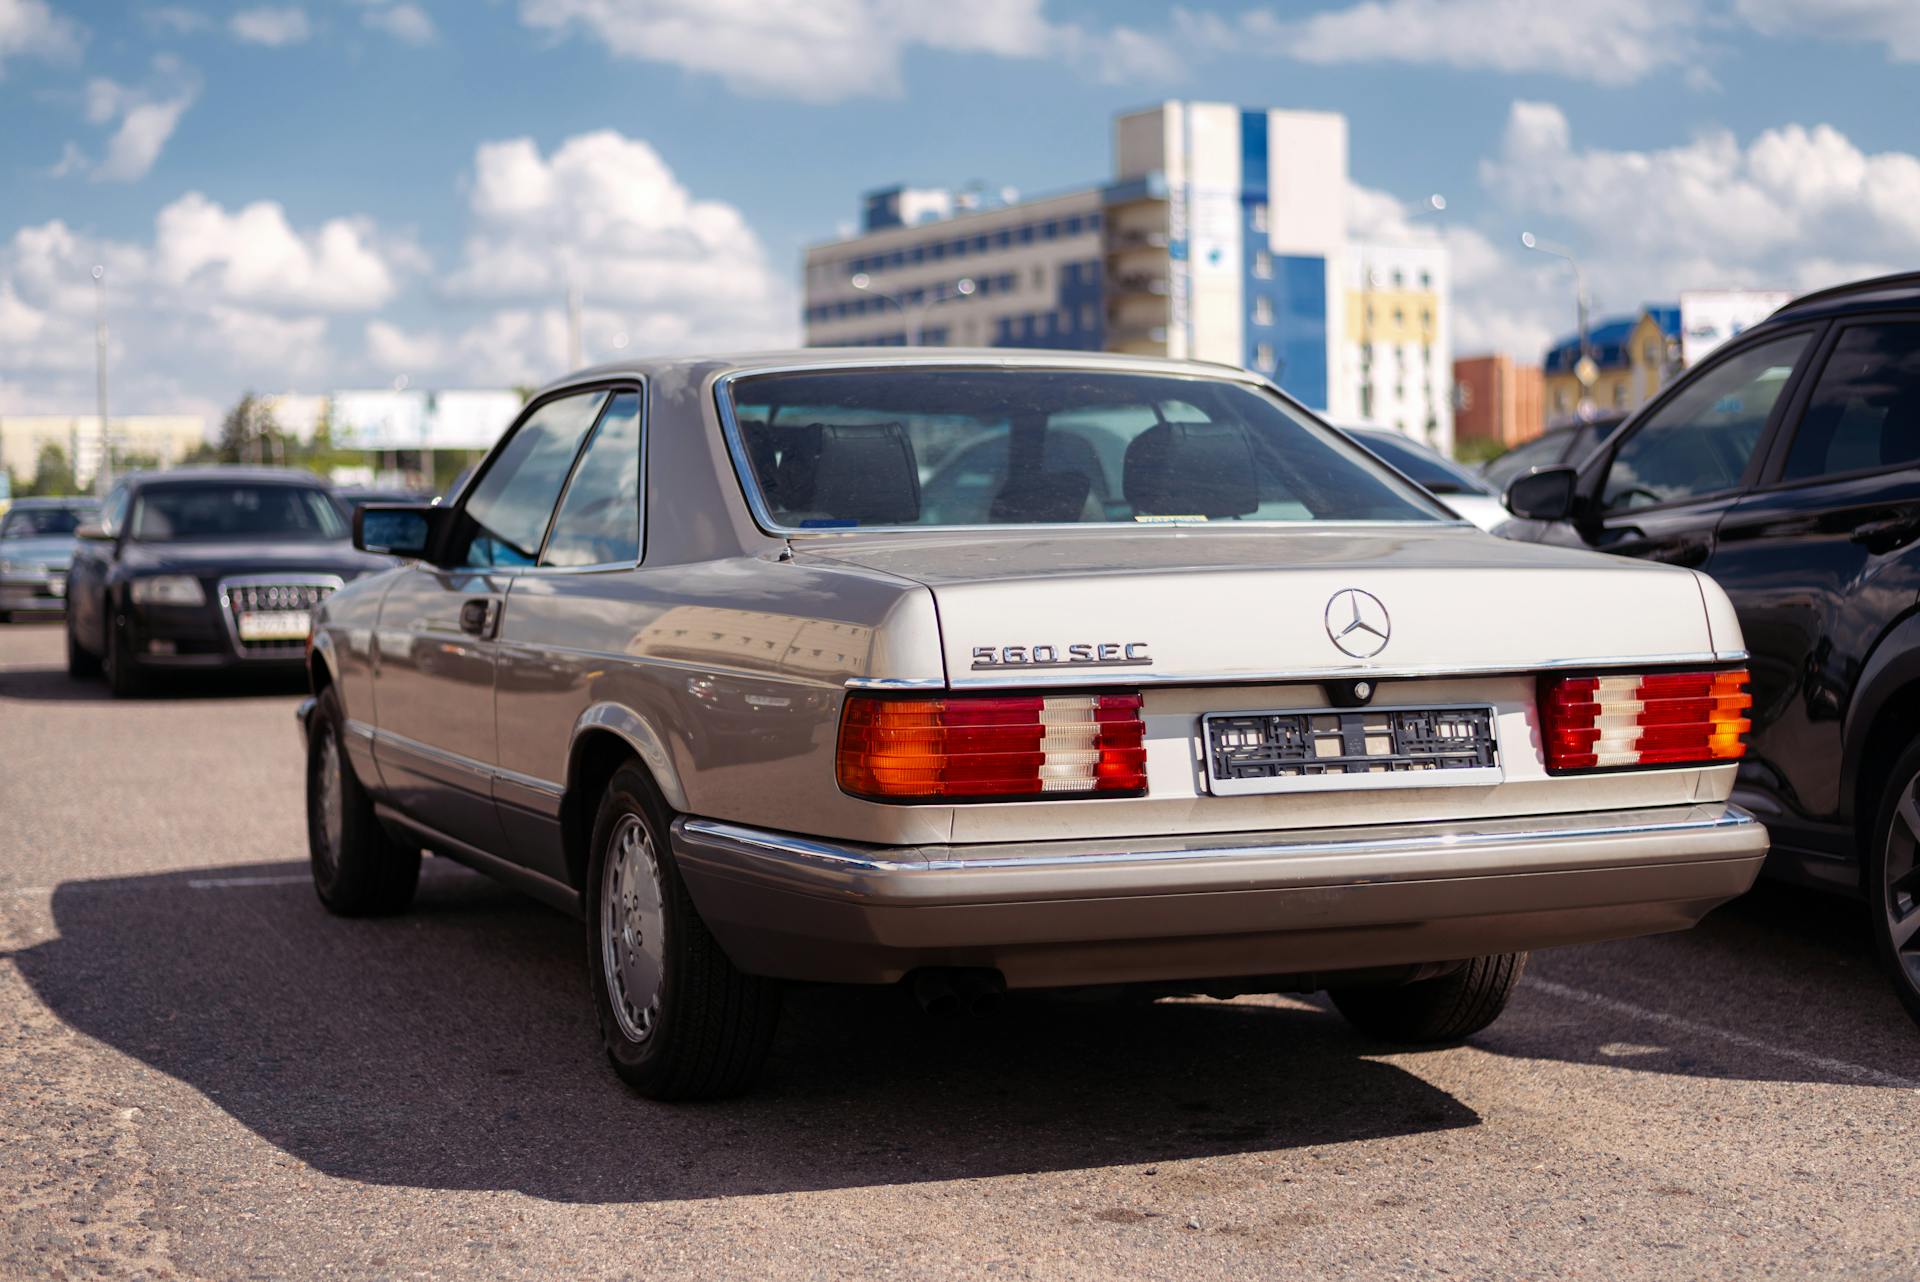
x: 480, y: 617
x: 1885, y: 536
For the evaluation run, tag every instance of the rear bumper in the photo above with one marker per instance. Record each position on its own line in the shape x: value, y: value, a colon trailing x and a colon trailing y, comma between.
x: 1058, y: 913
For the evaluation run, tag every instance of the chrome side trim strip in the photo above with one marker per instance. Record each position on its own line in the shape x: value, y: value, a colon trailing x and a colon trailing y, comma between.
x: 1281, y: 676
x: 1451, y: 837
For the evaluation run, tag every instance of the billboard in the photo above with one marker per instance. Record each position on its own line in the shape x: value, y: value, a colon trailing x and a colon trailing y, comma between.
x: 422, y: 420
x: 1709, y: 317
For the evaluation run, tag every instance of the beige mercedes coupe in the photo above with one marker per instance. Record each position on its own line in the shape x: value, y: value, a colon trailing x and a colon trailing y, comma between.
x: 986, y: 670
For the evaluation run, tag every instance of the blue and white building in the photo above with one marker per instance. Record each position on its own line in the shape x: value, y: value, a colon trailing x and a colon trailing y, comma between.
x: 1221, y: 236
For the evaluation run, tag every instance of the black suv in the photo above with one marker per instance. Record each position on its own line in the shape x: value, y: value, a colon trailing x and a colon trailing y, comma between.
x: 1787, y: 467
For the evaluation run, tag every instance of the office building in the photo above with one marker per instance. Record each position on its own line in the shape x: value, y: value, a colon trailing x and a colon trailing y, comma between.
x: 1221, y: 236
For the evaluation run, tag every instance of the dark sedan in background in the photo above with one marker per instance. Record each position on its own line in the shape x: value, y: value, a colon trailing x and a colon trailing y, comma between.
x: 1787, y: 467
x: 36, y: 546
x: 205, y: 568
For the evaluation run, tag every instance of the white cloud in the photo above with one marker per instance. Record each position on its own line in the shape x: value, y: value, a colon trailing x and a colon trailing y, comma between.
x: 1894, y: 23
x: 253, y: 255
x: 274, y: 28
x: 30, y: 29
x: 175, y: 20
x: 216, y: 301
x: 407, y: 23
x: 147, y: 116
x: 1795, y: 207
x: 828, y: 50
x: 1609, y: 42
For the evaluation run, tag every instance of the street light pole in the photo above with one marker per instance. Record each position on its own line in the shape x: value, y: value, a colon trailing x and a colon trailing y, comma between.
x: 1582, y: 304
x: 103, y: 474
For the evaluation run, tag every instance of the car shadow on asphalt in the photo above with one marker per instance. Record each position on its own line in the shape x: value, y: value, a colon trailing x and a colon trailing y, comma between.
x: 453, y: 1048
x: 53, y: 685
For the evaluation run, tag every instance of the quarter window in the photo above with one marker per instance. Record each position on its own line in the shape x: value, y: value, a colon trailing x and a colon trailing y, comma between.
x: 508, y: 513
x: 599, y: 519
x: 1865, y: 410
x: 1700, y: 441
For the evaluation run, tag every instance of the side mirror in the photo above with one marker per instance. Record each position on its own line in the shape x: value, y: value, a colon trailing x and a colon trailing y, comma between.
x: 396, y: 529
x: 1544, y: 494
x: 93, y: 532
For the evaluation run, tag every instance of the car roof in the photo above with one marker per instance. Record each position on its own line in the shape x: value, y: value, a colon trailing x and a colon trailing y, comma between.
x: 709, y: 366
x: 1875, y: 293
x: 224, y: 474
x: 56, y: 500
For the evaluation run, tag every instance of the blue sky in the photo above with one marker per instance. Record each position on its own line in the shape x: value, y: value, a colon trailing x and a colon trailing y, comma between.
x: 337, y: 192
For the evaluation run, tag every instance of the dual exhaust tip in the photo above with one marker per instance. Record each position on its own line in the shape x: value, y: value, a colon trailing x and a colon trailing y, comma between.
x: 948, y: 992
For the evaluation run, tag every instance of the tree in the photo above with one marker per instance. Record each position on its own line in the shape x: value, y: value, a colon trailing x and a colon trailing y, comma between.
x: 52, y: 473
x: 248, y: 433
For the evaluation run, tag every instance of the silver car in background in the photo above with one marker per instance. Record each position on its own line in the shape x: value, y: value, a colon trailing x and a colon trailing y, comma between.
x: 36, y: 548
x: 986, y: 669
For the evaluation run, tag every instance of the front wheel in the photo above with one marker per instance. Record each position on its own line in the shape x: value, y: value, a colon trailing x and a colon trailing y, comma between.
x: 1893, y: 881
x: 359, y: 870
x: 678, y: 1021
x: 1443, y: 1009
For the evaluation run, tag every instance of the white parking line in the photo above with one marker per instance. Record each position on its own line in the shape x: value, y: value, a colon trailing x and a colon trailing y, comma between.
x: 1859, y: 1072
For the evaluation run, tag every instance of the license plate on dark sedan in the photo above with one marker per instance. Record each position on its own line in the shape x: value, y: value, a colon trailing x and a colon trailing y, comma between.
x: 1327, y: 749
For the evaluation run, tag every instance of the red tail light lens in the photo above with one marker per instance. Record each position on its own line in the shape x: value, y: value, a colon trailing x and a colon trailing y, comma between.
x: 1002, y: 746
x: 1660, y: 719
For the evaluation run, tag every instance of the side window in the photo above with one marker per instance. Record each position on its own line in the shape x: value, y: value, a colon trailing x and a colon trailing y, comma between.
x: 1865, y: 410
x: 599, y: 519
x: 1699, y: 442
x: 508, y: 510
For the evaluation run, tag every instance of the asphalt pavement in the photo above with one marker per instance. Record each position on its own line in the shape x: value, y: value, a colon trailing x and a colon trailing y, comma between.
x: 204, y: 1075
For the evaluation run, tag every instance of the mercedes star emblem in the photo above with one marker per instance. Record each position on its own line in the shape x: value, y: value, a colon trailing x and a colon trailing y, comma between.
x: 1358, y: 623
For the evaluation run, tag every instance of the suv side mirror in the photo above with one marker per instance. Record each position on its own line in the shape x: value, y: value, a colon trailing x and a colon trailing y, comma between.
x: 396, y: 529
x: 1544, y: 494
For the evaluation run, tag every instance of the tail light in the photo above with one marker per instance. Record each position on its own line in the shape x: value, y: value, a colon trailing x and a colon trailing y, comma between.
x: 1660, y: 719
x: 1000, y: 746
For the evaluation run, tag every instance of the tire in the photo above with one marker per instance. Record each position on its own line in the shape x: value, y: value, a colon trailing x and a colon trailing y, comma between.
x: 82, y: 663
x: 1444, y: 1009
x: 124, y: 679
x: 359, y: 870
x: 703, y: 1029
x: 1893, y: 880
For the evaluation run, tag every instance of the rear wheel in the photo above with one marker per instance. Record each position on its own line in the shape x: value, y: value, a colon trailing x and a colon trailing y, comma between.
x: 359, y: 870
x: 1893, y: 880
x: 678, y: 1021
x: 1443, y: 1009
x: 81, y: 662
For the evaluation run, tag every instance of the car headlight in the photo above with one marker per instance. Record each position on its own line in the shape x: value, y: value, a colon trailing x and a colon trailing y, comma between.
x: 26, y: 569
x: 168, y: 589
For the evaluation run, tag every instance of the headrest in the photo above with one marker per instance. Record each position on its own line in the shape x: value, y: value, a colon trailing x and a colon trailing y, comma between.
x: 862, y: 472
x: 1191, y: 469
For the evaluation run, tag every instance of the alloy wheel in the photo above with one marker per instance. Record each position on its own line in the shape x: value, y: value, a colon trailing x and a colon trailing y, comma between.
x: 1899, y: 893
x: 632, y: 928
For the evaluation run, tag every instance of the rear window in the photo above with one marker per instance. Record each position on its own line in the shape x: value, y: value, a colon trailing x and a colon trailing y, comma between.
x: 1424, y: 466
x: 938, y: 447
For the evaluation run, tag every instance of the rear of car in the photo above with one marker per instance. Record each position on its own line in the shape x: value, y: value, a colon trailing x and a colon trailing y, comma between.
x: 1227, y: 706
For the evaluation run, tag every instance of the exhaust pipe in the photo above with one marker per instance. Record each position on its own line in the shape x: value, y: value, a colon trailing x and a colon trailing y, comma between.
x: 979, y: 991
x: 935, y: 993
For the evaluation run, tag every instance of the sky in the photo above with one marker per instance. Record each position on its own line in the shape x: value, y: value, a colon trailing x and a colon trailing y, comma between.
x: 342, y: 193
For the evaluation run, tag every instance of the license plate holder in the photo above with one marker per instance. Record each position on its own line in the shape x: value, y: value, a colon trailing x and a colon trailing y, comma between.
x: 274, y: 625
x: 1350, y: 749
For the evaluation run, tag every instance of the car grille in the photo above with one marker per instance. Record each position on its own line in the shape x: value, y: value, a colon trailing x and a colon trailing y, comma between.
x: 275, y: 595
